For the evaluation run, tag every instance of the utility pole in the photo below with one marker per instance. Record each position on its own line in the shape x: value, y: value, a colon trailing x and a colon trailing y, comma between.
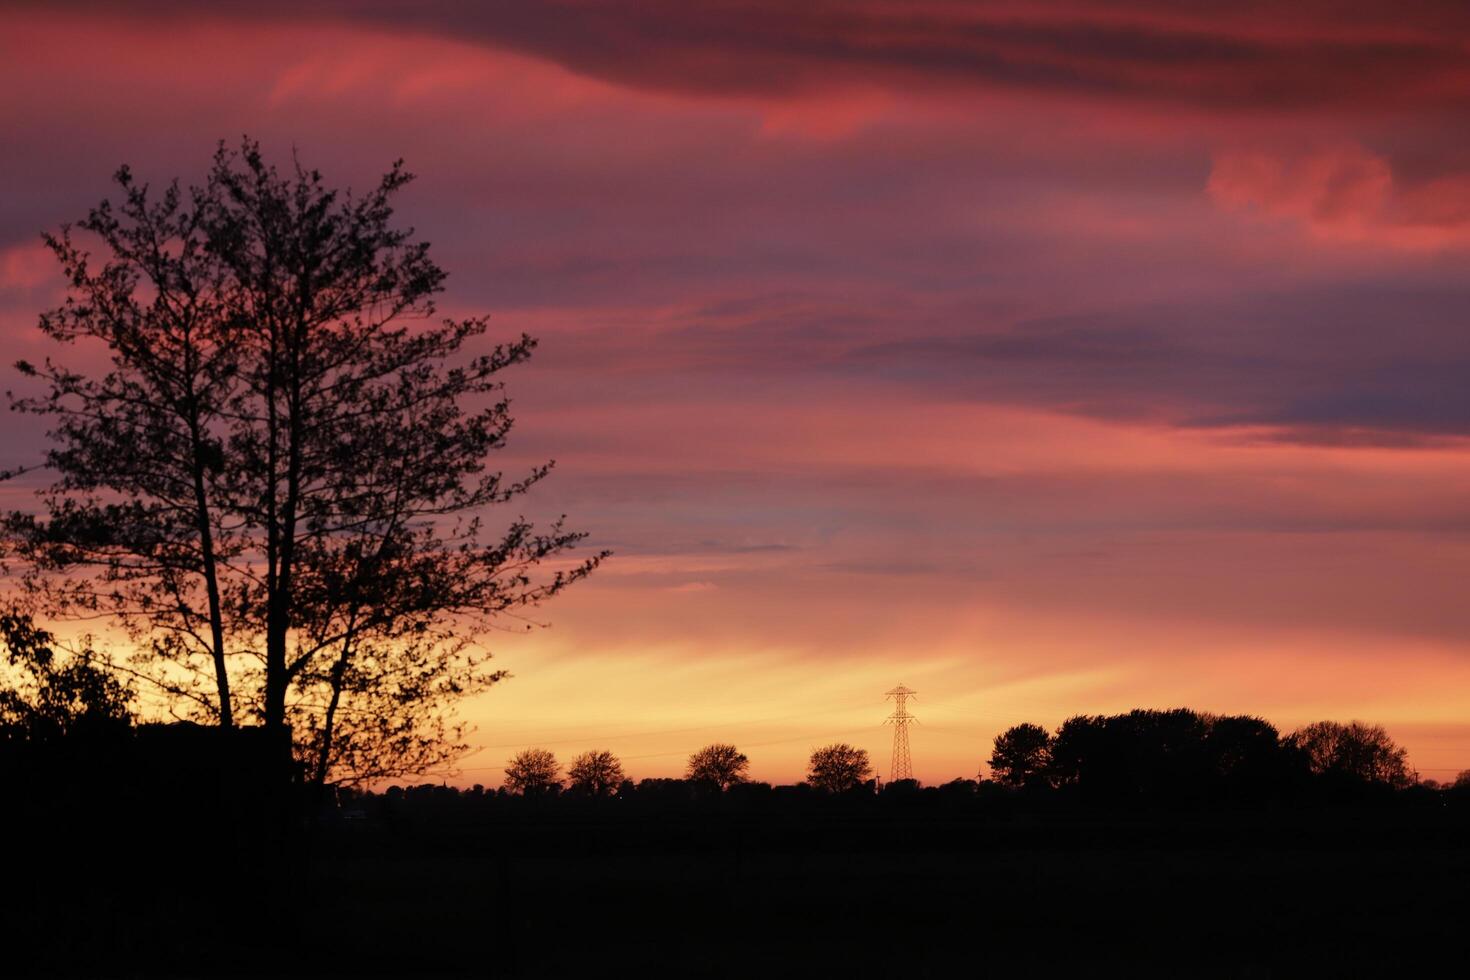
x: 903, y: 767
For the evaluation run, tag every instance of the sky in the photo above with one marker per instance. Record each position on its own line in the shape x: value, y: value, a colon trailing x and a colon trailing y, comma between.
x: 1046, y: 358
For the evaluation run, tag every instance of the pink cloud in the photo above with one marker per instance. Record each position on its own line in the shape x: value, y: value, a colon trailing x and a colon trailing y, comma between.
x: 689, y: 587
x: 25, y: 267
x: 1344, y: 194
x: 1256, y: 56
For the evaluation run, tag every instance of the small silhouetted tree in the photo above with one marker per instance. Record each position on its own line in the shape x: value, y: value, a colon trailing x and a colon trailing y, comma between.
x: 720, y: 764
x: 56, y: 694
x: 1021, y: 755
x: 532, y: 772
x: 1357, y: 751
x: 595, y: 773
x: 838, y: 768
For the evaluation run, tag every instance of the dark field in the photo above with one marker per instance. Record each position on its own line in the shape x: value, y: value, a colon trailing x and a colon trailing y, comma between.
x: 1304, y: 894
x: 137, y: 872
x: 1167, y: 899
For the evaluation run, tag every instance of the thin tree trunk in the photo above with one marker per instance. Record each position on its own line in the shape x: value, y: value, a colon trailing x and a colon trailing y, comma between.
x: 272, y: 515
x: 211, y: 580
x: 324, y: 751
x: 279, y: 614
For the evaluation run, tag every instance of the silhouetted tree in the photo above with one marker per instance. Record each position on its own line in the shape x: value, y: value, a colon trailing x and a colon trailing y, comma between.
x: 56, y: 694
x: 1357, y: 751
x: 1246, y: 755
x: 596, y: 773
x: 1163, y: 751
x: 278, y: 486
x: 1182, y: 755
x: 1078, y: 743
x: 1021, y: 755
x: 959, y: 789
x: 532, y: 772
x: 721, y: 764
x: 1144, y: 753
x: 838, y: 768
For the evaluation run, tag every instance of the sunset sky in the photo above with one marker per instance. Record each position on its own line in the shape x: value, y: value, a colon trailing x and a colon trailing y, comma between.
x: 1047, y: 358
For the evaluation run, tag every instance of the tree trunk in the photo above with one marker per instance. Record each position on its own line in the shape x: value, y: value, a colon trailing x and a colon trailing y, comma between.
x: 324, y: 751
x: 206, y: 552
x: 211, y: 582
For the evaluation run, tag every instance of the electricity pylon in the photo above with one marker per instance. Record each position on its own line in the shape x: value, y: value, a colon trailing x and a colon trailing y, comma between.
x: 903, y: 767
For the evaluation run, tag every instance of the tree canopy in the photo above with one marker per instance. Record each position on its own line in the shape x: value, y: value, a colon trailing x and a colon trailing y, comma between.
x: 596, y: 773
x: 1354, y: 751
x: 838, y: 768
x: 58, y: 695
x: 532, y: 772
x: 721, y: 764
x: 1184, y: 755
x: 1022, y: 755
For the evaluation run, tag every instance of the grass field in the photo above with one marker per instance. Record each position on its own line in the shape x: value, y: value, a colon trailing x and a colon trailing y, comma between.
x: 1167, y: 897
x: 819, y: 887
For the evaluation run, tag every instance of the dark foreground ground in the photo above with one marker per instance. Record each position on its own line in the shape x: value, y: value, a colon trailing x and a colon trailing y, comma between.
x: 826, y: 892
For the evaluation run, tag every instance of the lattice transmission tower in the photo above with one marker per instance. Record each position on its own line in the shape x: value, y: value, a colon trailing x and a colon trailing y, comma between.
x: 903, y: 766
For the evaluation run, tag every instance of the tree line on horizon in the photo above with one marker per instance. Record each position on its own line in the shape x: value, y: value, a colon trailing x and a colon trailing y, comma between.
x: 1181, y: 753
x: 1143, y: 754
x: 834, y: 768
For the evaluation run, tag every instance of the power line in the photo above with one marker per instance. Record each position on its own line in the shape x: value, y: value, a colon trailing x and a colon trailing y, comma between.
x: 582, y: 736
